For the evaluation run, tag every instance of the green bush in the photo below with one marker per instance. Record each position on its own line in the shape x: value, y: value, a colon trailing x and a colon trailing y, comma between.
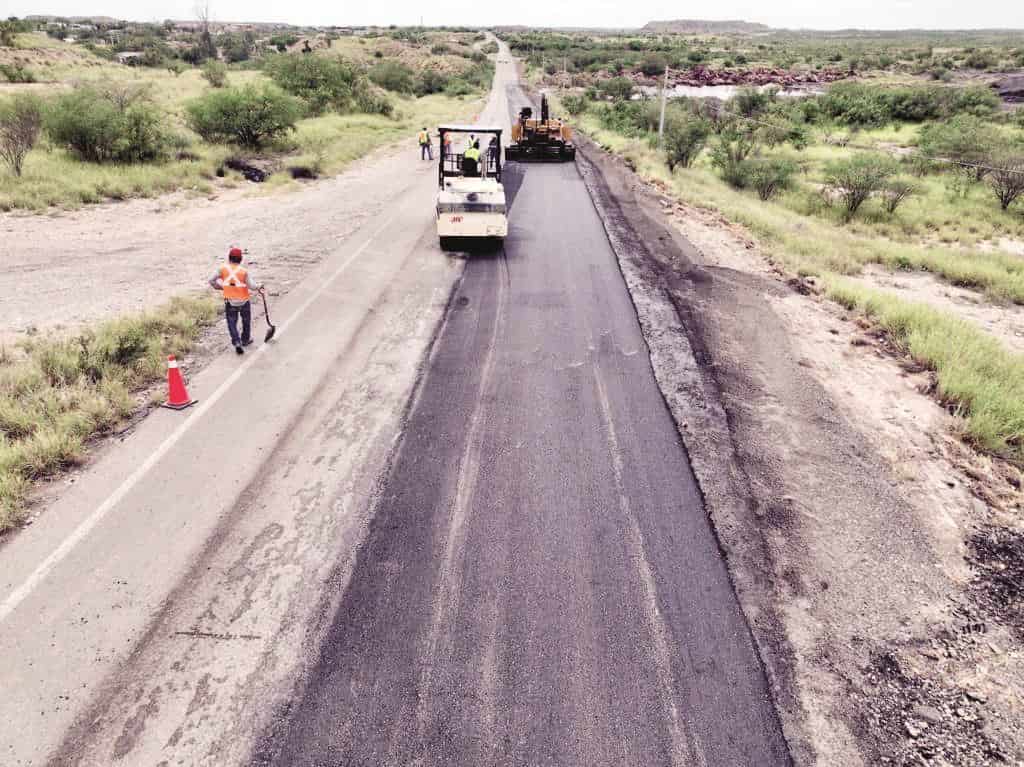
x: 769, y: 175
x: 21, y: 120
x: 321, y: 82
x: 862, y: 105
x: 736, y: 142
x: 215, y: 73
x: 576, y: 105
x: 963, y: 138
x: 684, y: 139
x: 430, y: 81
x: 617, y: 88
x: 751, y: 102
x: 250, y: 117
x: 97, y: 130
x: 394, y: 76
x: 17, y: 73
x: 855, y: 179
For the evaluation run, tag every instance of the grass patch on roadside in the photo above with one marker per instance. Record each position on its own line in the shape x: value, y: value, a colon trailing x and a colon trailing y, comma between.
x: 807, y: 240
x: 977, y: 377
x: 56, y: 393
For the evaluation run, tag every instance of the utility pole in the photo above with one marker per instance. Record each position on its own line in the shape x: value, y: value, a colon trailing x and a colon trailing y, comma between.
x: 664, y: 98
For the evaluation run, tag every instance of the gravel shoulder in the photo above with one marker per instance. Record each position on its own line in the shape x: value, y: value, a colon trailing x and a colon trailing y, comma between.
x: 872, y: 552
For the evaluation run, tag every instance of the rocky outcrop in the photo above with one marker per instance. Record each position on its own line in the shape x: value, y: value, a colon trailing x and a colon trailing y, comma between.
x: 1011, y: 89
x: 700, y: 76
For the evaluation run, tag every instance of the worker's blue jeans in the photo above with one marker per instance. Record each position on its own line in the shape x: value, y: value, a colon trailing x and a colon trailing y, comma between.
x: 232, y: 313
x: 426, y: 152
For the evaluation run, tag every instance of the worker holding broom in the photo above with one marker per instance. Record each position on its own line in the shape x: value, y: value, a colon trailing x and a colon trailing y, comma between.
x: 235, y: 281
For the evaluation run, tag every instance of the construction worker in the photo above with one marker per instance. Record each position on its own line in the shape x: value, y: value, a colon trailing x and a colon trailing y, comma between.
x: 426, y: 148
x: 471, y: 159
x: 236, y: 283
x: 446, y: 148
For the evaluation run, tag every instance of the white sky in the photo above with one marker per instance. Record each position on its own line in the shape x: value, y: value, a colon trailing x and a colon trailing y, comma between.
x: 813, y: 14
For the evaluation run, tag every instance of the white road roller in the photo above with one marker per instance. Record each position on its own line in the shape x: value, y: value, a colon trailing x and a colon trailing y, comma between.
x: 471, y: 199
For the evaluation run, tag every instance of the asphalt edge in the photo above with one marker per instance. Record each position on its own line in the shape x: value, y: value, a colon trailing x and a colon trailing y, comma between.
x: 677, y: 347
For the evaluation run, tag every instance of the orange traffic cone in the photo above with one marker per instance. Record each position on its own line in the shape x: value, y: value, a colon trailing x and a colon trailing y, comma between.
x: 177, y: 395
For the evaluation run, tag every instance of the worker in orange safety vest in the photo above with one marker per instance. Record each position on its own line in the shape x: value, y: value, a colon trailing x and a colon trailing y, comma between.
x: 235, y: 282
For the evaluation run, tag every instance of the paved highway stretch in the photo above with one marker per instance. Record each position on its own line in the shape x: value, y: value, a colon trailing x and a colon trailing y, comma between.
x: 511, y: 568
x: 540, y: 584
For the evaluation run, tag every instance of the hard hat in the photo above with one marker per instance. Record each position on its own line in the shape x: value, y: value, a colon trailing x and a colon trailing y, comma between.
x: 235, y: 252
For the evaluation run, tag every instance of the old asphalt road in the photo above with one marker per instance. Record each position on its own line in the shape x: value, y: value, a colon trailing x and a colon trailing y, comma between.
x: 310, y: 569
x: 540, y: 584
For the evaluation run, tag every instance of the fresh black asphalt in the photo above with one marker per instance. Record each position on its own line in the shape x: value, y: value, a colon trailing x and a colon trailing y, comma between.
x: 540, y: 583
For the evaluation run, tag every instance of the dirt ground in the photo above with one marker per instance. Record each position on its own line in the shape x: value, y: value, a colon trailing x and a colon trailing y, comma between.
x: 878, y: 558
x: 67, y: 269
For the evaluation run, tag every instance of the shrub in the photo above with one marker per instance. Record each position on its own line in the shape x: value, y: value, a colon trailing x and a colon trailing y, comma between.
x: 963, y: 138
x: 440, y: 49
x: 685, y: 138
x: 373, y: 101
x: 249, y: 116
x: 751, y: 102
x: 430, y: 81
x: 1007, y: 180
x: 855, y: 179
x: 769, y: 175
x: 895, y: 192
x: 393, y: 76
x: 625, y: 117
x: 321, y: 82
x: 735, y: 143
x: 17, y: 73
x: 98, y: 130
x: 576, y: 105
x: 617, y: 88
x: 653, y: 66
x: 215, y: 73
x: 21, y: 120
x: 862, y: 105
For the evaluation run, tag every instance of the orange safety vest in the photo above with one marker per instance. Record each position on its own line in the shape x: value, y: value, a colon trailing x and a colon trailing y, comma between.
x: 235, y: 282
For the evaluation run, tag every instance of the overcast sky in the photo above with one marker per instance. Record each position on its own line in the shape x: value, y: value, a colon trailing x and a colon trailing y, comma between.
x: 816, y: 14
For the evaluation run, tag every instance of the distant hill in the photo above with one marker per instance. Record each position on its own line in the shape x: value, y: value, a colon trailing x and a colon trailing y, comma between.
x: 693, y: 27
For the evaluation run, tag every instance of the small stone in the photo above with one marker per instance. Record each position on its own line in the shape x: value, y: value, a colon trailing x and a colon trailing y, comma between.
x: 912, y: 730
x: 928, y: 714
x: 976, y: 695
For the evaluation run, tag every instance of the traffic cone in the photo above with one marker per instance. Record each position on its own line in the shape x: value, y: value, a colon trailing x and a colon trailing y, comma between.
x: 177, y: 395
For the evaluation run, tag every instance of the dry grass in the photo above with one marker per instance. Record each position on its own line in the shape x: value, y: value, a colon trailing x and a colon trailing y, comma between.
x: 57, y: 393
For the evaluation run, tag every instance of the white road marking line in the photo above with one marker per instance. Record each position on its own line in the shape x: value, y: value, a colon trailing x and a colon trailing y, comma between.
x: 18, y: 595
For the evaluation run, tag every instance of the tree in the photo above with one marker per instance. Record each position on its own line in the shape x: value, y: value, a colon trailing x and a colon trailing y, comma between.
x: 250, y: 117
x: 685, y: 138
x: 205, y: 48
x: 1007, y: 180
x: 855, y: 179
x: 21, y: 120
x: 7, y: 34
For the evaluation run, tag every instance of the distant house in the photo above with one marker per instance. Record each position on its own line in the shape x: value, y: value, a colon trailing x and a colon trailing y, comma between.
x: 128, y: 57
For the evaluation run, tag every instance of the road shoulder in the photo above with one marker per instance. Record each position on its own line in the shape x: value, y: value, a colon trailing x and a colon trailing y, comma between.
x: 849, y: 565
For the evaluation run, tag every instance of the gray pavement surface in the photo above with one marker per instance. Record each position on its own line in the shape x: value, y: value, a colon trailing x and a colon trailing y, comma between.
x: 513, y: 567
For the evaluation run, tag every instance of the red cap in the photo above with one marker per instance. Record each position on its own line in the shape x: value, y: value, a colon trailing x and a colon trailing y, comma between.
x: 235, y: 252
